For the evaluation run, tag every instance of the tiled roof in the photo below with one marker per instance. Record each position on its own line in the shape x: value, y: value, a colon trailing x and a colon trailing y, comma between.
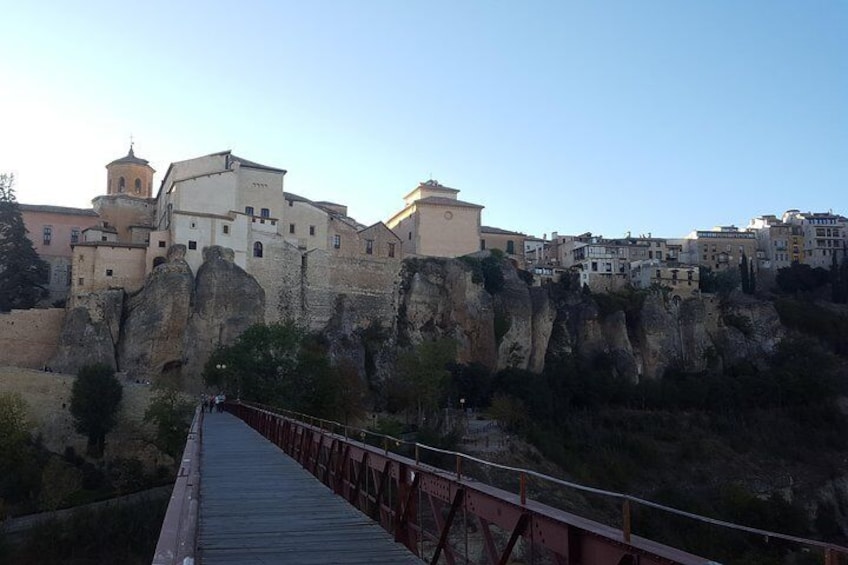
x: 255, y: 165
x: 57, y: 209
x: 499, y: 231
x: 129, y: 159
x: 442, y: 201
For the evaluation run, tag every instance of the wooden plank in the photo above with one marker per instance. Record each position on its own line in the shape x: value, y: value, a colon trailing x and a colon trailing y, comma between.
x: 257, y: 505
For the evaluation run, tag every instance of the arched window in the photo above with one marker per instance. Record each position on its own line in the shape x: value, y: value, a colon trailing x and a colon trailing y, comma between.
x: 257, y: 249
x: 122, y: 184
x: 137, y: 186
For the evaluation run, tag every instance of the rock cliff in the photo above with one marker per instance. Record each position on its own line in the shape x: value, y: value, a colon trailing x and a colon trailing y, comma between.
x: 169, y: 327
x: 177, y: 319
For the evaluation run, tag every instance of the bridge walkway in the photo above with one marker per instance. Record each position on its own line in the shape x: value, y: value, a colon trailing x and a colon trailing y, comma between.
x: 257, y: 505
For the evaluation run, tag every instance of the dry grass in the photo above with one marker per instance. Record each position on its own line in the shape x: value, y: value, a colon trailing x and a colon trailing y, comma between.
x: 48, y: 398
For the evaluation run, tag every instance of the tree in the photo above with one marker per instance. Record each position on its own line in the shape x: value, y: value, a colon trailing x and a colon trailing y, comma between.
x: 261, y: 366
x: 22, y: 272
x: 745, y: 274
x: 95, y: 400
x: 171, y: 413
x: 424, y: 375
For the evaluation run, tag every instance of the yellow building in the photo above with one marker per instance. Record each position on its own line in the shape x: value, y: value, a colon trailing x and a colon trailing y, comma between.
x: 721, y: 248
x: 510, y: 242
x: 434, y: 222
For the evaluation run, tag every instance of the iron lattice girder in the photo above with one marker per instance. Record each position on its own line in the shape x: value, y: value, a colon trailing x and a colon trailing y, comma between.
x: 332, y: 458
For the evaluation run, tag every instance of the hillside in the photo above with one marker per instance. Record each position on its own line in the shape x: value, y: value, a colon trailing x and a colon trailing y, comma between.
x: 48, y: 395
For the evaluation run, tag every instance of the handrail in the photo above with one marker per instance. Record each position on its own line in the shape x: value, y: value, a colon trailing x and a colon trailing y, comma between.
x: 523, y: 473
x: 178, y: 536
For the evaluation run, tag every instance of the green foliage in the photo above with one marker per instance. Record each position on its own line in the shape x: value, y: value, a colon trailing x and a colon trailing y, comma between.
x: 722, y: 282
x: 280, y: 365
x: 801, y: 279
x: 260, y: 366
x: 22, y: 272
x: 741, y: 323
x: 125, y: 533
x: 813, y: 320
x: 488, y: 270
x: 171, y: 413
x: 422, y: 377
x: 95, y: 400
x: 19, y: 469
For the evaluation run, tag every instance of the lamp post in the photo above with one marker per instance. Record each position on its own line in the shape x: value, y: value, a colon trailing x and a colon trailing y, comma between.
x: 222, y: 368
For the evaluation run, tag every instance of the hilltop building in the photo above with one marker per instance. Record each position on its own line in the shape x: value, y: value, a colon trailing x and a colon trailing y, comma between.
x: 435, y: 222
x: 53, y: 230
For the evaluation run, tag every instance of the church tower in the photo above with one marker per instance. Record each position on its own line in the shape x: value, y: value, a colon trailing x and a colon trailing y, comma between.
x: 130, y: 176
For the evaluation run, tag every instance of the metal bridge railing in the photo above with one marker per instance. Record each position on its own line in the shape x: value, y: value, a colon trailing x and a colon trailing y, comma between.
x: 337, y: 452
x: 178, y: 536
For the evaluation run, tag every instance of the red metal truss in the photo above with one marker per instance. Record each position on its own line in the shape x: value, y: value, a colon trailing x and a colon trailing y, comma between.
x: 446, y: 517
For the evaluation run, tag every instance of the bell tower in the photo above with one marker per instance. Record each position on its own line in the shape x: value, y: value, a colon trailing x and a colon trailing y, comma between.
x: 130, y: 175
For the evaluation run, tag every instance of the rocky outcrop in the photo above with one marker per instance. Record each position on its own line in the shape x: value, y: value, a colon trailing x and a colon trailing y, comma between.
x: 156, y: 318
x: 91, y: 332
x: 438, y: 298
x: 225, y: 302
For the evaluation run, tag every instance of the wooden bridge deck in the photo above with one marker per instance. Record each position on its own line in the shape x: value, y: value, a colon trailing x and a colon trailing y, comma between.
x: 257, y: 505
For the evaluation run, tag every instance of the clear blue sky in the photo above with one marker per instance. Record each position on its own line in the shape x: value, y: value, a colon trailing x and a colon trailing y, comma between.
x: 608, y: 117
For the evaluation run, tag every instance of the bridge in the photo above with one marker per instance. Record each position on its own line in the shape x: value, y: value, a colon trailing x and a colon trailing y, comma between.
x: 259, y: 486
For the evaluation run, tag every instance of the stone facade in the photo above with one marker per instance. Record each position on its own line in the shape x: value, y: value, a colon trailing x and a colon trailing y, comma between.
x: 510, y: 242
x: 53, y: 230
x: 435, y: 223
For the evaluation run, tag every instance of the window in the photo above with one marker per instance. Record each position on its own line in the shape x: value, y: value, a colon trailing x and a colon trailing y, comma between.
x: 391, y: 250
x: 161, y: 244
x: 291, y: 228
x: 594, y: 265
x: 137, y: 186
x: 510, y: 247
x: 248, y: 210
x: 103, y: 238
x: 108, y: 272
x: 337, y: 241
x: 122, y: 184
x: 192, y: 244
x: 193, y: 225
x: 257, y: 249
x: 410, y: 236
x: 482, y: 245
x: 311, y: 230
x: 291, y: 203
x: 75, y: 233
x: 226, y: 229
x: 265, y: 213
x: 48, y: 234
x: 81, y: 281
x: 369, y: 246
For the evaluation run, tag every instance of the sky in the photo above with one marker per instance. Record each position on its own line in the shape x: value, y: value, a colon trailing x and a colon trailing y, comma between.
x: 607, y: 116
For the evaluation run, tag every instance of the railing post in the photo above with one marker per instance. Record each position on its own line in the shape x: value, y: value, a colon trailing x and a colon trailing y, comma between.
x: 625, y: 519
x: 523, y: 488
x: 458, y: 466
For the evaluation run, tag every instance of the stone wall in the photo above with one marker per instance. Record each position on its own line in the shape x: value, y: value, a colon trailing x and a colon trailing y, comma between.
x: 29, y: 338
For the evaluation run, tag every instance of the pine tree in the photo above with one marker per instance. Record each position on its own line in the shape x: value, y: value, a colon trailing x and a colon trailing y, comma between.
x: 745, y: 275
x: 22, y: 272
x: 752, y: 280
x: 835, y: 279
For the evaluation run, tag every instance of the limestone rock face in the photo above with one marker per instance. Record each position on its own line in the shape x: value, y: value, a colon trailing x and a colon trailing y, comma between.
x: 514, y: 310
x: 156, y: 318
x: 225, y: 302
x: 439, y: 299
x: 90, y: 332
